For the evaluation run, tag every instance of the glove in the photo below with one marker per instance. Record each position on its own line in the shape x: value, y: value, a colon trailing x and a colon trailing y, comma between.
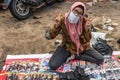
x: 80, y: 74
x: 47, y: 34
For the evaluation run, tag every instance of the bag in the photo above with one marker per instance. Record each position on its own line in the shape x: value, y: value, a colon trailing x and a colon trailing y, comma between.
x: 102, y: 47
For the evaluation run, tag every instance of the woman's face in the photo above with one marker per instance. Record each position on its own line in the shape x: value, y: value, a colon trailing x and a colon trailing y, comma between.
x: 78, y: 11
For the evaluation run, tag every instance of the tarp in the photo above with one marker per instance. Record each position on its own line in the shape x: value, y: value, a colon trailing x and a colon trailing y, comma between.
x: 35, y: 66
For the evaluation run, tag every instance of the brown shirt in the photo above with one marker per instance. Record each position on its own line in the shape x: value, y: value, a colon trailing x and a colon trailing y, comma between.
x: 70, y: 46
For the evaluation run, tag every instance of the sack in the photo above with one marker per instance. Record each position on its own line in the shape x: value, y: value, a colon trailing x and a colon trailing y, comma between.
x: 102, y: 47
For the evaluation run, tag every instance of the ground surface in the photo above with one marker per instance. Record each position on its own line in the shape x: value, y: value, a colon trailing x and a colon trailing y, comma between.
x: 27, y: 36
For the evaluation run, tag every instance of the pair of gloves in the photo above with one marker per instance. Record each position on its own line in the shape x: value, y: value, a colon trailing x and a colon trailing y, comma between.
x: 77, y: 74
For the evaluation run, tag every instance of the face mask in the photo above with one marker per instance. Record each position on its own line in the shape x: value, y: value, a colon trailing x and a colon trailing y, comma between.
x: 72, y: 18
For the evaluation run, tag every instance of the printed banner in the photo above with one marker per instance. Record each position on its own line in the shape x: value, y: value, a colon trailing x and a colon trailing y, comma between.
x: 36, y: 67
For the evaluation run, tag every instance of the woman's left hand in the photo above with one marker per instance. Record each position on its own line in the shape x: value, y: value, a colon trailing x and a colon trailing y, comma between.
x: 70, y: 58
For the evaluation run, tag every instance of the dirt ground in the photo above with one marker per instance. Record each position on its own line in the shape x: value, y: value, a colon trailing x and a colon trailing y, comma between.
x: 27, y: 36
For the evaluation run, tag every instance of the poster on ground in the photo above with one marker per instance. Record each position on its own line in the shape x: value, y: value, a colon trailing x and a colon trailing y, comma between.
x: 36, y: 67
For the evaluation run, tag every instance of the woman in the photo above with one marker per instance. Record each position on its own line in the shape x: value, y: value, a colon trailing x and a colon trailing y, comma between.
x: 76, y: 35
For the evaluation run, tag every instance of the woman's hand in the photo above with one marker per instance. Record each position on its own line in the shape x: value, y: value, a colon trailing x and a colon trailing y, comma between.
x: 70, y: 58
x: 88, y: 24
x: 58, y: 18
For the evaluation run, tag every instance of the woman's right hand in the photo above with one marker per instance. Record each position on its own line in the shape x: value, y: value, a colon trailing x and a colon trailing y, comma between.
x: 58, y: 18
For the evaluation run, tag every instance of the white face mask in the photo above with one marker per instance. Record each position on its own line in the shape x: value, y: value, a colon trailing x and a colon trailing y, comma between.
x: 73, y: 18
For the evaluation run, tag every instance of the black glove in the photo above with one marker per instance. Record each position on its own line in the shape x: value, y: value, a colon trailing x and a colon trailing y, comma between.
x: 80, y: 74
x: 47, y: 34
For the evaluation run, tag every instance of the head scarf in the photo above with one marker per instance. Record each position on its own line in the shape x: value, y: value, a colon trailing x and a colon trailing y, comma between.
x: 71, y: 27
